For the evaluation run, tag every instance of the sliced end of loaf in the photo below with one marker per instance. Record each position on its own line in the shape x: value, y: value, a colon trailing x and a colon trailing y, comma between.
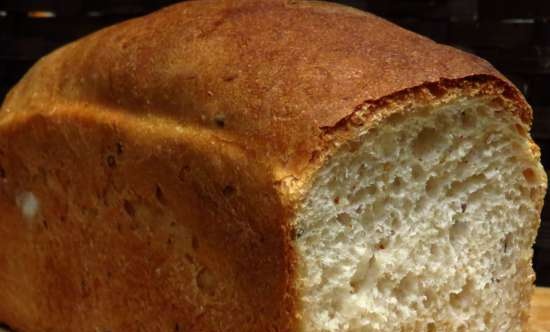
x: 425, y: 223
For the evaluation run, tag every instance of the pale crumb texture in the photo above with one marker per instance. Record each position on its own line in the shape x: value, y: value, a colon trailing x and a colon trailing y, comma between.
x: 425, y: 224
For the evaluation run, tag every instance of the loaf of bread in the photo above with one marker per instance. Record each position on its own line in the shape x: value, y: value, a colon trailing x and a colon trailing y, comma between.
x: 254, y: 166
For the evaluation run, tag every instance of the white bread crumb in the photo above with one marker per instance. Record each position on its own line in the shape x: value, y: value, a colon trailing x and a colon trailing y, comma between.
x: 426, y: 226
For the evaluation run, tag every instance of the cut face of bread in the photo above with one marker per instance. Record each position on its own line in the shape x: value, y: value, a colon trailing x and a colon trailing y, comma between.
x: 424, y: 224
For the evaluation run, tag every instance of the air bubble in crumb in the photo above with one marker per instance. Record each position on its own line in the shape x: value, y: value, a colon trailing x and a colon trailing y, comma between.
x: 397, y: 183
x: 28, y: 203
x: 344, y: 219
x: 425, y: 142
x: 487, y: 318
x: 458, y: 231
x: 507, y: 242
x: 432, y: 186
x: 417, y: 172
x: 521, y: 129
x: 529, y: 175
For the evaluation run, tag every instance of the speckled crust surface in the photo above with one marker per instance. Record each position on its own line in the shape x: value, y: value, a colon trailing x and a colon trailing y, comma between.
x: 273, y: 72
x: 168, y: 154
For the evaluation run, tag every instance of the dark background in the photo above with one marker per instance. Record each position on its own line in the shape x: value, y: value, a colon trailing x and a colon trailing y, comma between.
x: 513, y: 35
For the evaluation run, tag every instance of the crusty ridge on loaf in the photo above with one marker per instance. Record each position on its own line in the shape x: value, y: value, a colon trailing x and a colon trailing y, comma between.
x: 164, y: 174
x: 275, y: 71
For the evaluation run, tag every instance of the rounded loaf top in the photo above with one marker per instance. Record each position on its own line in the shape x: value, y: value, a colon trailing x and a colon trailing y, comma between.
x: 267, y: 75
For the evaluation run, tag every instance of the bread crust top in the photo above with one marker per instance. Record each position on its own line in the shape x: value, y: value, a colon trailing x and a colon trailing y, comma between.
x: 268, y: 76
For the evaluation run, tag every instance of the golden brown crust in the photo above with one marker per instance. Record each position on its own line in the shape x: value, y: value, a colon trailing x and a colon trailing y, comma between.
x: 251, y: 92
x: 140, y: 228
x: 271, y: 73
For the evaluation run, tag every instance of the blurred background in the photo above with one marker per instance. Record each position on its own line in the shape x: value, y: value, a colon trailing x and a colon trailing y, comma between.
x: 513, y: 35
